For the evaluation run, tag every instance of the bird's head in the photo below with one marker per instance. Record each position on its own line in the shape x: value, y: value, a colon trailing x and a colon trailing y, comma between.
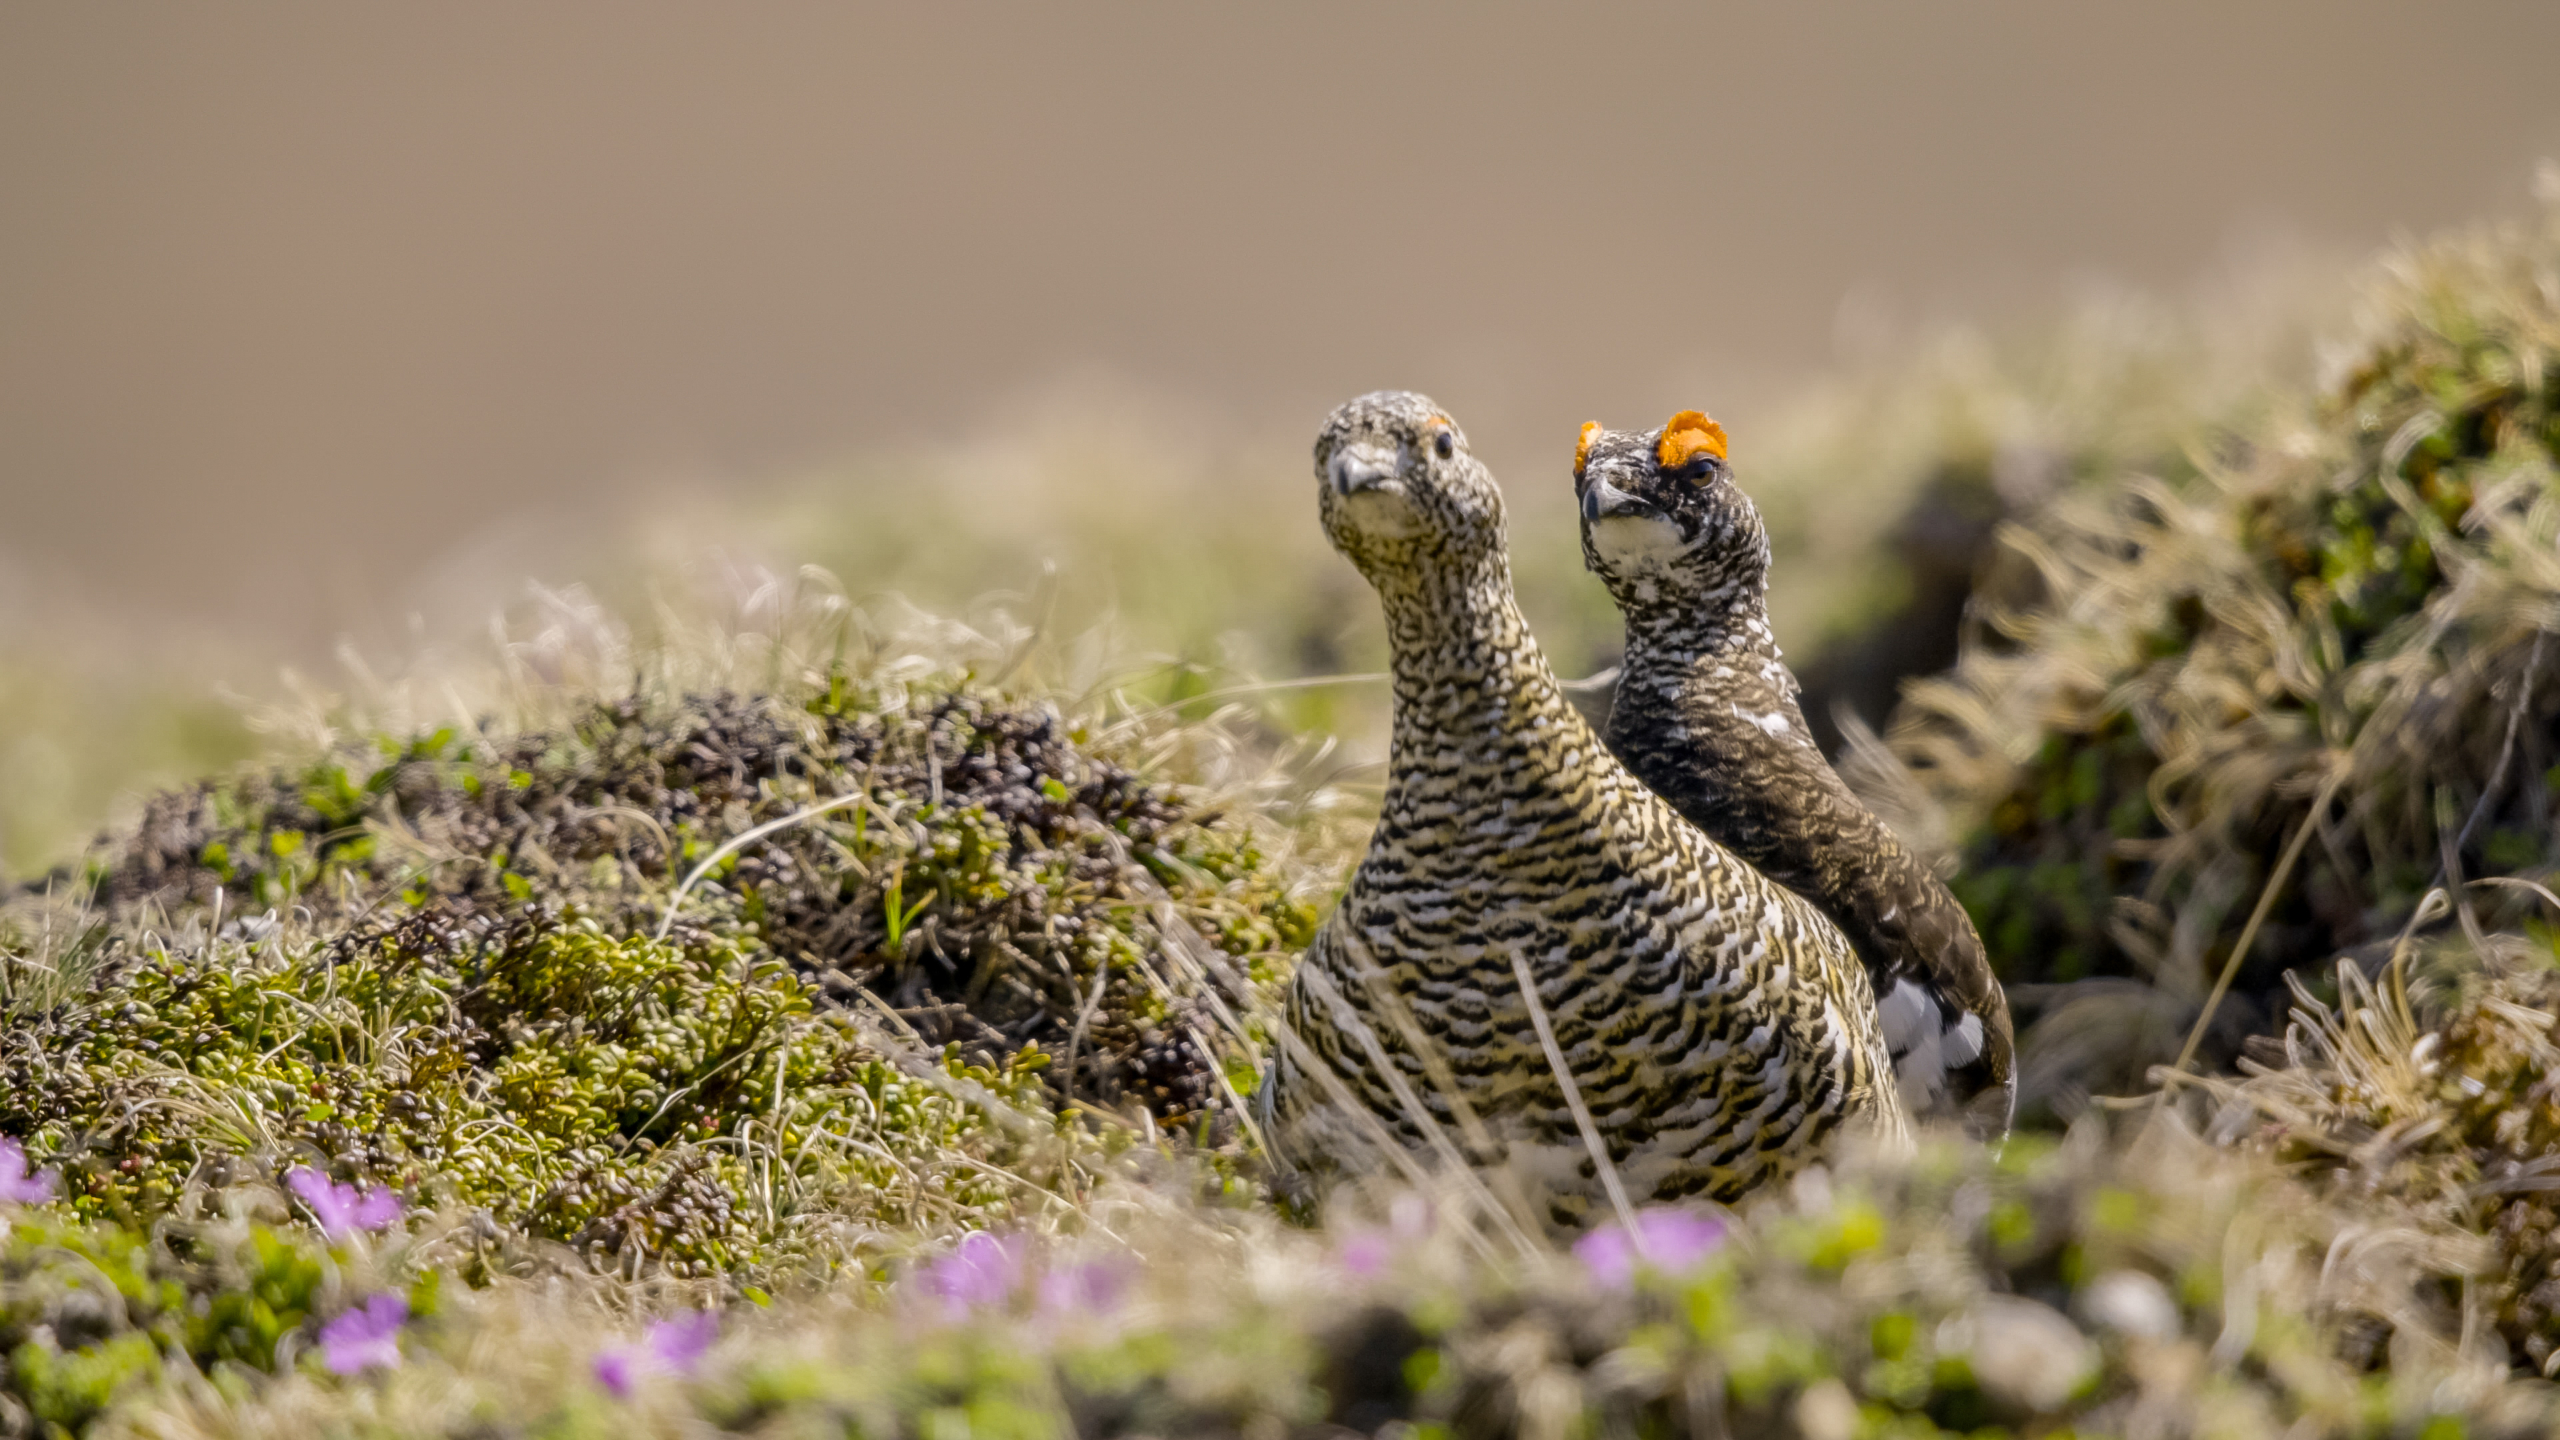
x: 1398, y: 490
x: 1663, y: 524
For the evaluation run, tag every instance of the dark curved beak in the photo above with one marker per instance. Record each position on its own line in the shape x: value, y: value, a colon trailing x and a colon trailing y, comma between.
x: 1358, y: 467
x: 1602, y: 500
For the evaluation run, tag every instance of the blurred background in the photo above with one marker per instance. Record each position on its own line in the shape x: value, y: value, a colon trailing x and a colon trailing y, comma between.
x: 326, y: 330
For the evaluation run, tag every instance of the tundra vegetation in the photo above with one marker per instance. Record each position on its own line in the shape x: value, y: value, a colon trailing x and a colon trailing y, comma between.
x: 806, y: 1016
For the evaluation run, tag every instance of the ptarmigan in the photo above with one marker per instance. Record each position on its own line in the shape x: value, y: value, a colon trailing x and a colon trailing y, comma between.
x: 1706, y: 715
x: 1717, y: 1027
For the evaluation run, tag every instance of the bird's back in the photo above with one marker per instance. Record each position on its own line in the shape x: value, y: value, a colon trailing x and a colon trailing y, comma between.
x: 1726, y: 744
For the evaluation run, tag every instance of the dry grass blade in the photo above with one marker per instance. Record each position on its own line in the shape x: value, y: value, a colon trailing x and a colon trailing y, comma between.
x: 2249, y: 932
x: 740, y: 842
x: 1591, y: 1141
x: 1455, y: 1162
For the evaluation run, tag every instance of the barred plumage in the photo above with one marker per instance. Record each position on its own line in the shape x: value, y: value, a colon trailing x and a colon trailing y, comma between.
x: 1719, y: 1028
x: 1706, y: 715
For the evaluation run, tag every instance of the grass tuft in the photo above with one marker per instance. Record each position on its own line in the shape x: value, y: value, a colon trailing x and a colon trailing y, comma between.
x: 2332, y: 631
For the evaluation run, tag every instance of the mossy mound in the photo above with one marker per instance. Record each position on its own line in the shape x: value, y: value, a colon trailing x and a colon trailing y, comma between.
x: 1885, y: 492
x: 969, y: 862
x: 2330, y: 644
x: 706, y: 985
x: 690, y: 1107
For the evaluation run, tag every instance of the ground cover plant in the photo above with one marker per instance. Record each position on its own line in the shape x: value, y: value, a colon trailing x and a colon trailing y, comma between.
x: 2145, y: 1285
x: 2253, y: 709
x: 2432, y: 1102
x: 670, y: 979
x: 833, y: 1021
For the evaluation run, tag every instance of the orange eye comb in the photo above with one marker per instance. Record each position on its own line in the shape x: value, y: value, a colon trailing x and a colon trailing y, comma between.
x: 1685, y: 437
x: 1582, y: 447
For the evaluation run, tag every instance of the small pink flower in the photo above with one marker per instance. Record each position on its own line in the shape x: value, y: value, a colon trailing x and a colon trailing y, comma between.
x: 1670, y: 1240
x: 1092, y: 1289
x: 17, y: 1187
x: 1367, y: 1252
x: 670, y: 1347
x: 366, y: 1337
x: 343, y: 1209
x: 981, y: 1270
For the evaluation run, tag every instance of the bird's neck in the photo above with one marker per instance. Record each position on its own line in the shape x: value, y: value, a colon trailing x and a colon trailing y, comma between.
x: 1681, y: 650
x: 1467, y: 671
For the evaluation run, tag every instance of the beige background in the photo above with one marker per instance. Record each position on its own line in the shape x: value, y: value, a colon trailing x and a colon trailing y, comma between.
x: 299, y: 301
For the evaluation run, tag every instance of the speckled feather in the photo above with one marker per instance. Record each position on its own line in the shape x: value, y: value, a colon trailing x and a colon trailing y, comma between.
x: 1706, y: 715
x: 1718, y: 1027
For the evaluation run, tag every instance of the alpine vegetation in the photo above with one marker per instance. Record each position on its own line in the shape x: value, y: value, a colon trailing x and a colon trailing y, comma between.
x: 818, y: 1019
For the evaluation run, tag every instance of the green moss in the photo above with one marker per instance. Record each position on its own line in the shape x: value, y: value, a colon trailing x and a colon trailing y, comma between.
x: 976, y: 867
x: 2350, y: 593
x: 618, y: 1095
x: 92, y: 1313
x: 470, y: 1002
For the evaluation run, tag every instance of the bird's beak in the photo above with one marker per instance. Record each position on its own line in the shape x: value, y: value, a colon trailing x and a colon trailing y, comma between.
x: 1603, y: 501
x: 1359, y: 466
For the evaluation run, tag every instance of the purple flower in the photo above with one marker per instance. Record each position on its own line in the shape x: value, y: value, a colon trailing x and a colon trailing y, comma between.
x: 1664, y: 1239
x: 982, y: 1269
x: 1093, y: 1288
x: 671, y: 1347
x: 1366, y: 1252
x: 17, y: 1187
x: 365, y: 1337
x: 620, y: 1368
x: 343, y: 1209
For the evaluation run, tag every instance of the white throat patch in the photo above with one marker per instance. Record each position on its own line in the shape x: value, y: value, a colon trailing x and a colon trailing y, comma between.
x: 1637, y: 545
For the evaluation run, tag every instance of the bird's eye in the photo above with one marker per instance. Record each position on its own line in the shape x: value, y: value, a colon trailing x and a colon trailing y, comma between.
x: 1444, y: 444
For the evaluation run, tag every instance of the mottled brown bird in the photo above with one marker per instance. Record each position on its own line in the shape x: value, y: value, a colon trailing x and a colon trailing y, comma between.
x: 1718, y: 1028
x: 1706, y: 714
